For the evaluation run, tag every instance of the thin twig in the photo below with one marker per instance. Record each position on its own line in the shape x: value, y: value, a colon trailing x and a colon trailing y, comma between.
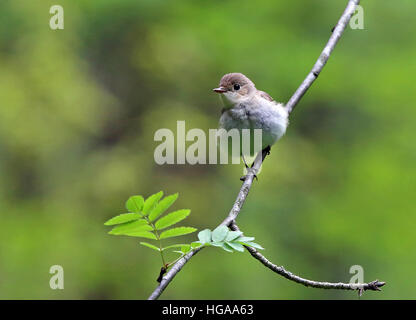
x: 326, y: 53
x: 361, y: 287
x: 251, y: 173
x: 242, y: 195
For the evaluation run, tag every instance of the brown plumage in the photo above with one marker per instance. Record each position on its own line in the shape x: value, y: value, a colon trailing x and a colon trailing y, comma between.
x: 246, y: 86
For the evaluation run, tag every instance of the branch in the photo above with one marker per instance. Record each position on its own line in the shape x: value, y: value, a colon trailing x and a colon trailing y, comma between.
x: 323, y: 58
x: 235, y: 210
x: 361, y: 287
x: 248, y: 179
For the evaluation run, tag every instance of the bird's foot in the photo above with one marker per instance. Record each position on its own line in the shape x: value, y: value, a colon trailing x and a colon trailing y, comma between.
x: 245, y: 163
x: 249, y: 171
x: 267, y: 150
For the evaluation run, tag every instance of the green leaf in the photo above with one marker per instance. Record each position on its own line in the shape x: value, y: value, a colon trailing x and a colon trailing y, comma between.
x: 135, y: 204
x: 175, y: 232
x: 233, y: 235
x: 219, y: 233
x: 195, y: 244
x: 122, y: 218
x: 132, y: 226
x: 186, y: 248
x: 162, y: 206
x: 245, y: 239
x: 142, y: 234
x: 151, y: 202
x: 205, y: 236
x: 236, y: 246
x: 171, y: 219
x: 226, y: 247
x: 173, y: 246
x: 151, y: 246
x: 252, y: 244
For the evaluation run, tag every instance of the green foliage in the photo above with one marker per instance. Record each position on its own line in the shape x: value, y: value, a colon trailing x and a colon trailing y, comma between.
x: 175, y: 232
x: 151, y: 202
x: 123, y: 218
x: 172, y: 218
x: 162, y: 206
x: 135, y: 204
x: 139, y: 222
x: 228, y: 240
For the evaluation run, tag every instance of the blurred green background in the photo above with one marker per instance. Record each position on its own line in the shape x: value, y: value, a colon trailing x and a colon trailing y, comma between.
x: 79, y: 108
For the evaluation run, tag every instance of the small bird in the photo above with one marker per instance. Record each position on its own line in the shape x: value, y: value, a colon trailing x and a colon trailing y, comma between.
x: 245, y: 107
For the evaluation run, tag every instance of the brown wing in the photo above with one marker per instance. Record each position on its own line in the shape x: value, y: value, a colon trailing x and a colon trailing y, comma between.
x: 265, y: 95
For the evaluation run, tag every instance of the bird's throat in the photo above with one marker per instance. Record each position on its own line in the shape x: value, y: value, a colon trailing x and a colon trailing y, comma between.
x: 226, y: 103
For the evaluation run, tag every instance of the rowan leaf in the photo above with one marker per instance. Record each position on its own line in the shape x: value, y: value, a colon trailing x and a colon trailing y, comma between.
x: 195, y: 244
x: 226, y: 247
x: 236, y: 246
x: 142, y: 234
x: 172, y: 218
x: 186, y: 248
x: 137, y: 225
x: 233, y: 235
x: 205, y: 236
x: 151, y: 246
x: 253, y: 244
x: 162, y: 206
x: 245, y: 239
x: 219, y: 233
x: 151, y: 202
x: 173, y: 246
x: 175, y: 232
x: 135, y: 204
x: 122, y: 218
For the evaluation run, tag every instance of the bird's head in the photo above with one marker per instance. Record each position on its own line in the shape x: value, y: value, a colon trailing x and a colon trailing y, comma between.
x: 235, y: 87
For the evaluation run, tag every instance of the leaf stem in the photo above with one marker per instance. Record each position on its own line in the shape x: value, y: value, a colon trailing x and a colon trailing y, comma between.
x: 160, y: 242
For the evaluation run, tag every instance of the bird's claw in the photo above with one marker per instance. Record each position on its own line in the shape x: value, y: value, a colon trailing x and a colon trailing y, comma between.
x: 249, y: 170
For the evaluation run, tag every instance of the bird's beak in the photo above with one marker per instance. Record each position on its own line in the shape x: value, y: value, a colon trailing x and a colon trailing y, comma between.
x: 220, y: 90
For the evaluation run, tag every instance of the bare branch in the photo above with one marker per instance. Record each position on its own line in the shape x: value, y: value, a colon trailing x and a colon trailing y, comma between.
x: 326, y: 53
x: 360, y: 287
x: 235, y: 210
x: 248, y: 179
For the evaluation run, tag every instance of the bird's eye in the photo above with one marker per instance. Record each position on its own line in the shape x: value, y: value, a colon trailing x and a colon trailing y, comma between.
x: 236, y: 86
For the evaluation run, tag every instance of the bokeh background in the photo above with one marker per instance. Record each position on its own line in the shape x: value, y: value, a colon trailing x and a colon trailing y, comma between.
x: 79, y: 108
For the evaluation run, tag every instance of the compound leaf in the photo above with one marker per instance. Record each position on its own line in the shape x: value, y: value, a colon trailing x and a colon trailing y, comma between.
x: 162, y: 206
x: 137, y: 225
x: 135, y: 204
x: 151, y: 201
x: 142, y: 234
x: 236, y: 246
x: 151, y: 246
x: 245, y: 239
x: 123, y: 218
x: 233, y: 235
x: 205, y: 236
x: 219, y: 233
x: 254, y: 245
x: 171, y: 219
x: 175, y: 232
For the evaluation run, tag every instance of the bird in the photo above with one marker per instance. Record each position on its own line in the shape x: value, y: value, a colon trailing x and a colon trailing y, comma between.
x: 246, y: 107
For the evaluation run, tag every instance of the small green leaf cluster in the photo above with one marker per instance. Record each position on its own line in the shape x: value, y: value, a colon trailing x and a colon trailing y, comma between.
x: 226, y: 239
x: 144, y: 220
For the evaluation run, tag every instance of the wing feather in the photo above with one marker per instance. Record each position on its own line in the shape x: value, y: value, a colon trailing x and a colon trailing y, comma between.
x: 265, y: 95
